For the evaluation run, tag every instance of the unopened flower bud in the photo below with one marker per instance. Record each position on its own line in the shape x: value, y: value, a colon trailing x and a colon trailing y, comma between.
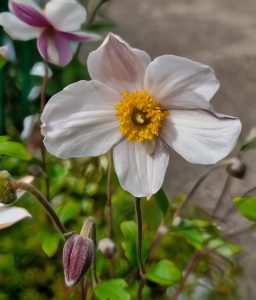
x: 7, y: 191
x: 78, y: 254
x: 236, y: 168
x: 107, y: 247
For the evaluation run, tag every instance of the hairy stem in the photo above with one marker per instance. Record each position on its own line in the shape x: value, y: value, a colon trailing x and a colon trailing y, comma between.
x: 139, y: 246
x: 193, y: 190
x: 109, y: 196
x: 42, y: 105
x: 39, y: 196
x: 188, y: 271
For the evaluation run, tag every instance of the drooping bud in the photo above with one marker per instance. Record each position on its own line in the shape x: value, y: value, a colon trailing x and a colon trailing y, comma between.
x: 7, y: 191
x: 78, y: 255
x: 236, y: 168
x: 107, y: 247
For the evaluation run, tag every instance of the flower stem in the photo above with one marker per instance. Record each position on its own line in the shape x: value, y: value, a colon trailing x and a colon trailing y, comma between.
x: 139, y: 247
x: 109, y: 196
x: 95, y: 11
x: 42, y: 105
x: 188, y: 271
x: 89, y: 230
x: 193, y: 190
x: 18, y: 184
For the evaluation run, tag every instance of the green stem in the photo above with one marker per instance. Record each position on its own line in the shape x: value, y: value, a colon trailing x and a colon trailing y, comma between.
x: 139, y: 247
x: 39, y: 196
x: 109, y: 196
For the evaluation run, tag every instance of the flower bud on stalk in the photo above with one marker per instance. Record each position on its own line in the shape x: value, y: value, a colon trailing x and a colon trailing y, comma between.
x: 107, y: 247
x: 7, y: 190
x: 236, y: 168
x: 78, y: 255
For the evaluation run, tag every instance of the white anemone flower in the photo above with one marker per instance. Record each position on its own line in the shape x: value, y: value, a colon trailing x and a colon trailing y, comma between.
x: 140, y: 109
x: 9, y: 215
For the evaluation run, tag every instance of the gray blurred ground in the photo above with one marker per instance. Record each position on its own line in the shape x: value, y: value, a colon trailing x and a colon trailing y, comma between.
x: 221, y: 33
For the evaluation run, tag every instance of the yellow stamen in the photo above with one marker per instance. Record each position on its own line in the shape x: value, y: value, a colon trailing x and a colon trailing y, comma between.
x: 140, y: 116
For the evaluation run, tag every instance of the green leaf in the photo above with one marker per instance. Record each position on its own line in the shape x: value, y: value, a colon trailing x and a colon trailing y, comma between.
x: 250, y: 145
x: 112, y: 289
x: 224, y: 248
x: 129, y: 230
x: 14, y: 149
x: 162, y: 201
x: 68, y: 211
x: 3, y: 61
x: 246, y: 206
x: 50, y: 242
x: 4, y: 138
x: 164, y: 272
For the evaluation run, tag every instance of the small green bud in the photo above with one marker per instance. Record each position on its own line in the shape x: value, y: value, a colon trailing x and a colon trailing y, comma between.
x: 7, y: 191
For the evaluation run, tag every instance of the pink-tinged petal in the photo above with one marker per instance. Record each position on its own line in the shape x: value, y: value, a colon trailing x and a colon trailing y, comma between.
x: 65, y: 15
x: 180, y: 82
x: 118, y: 65
x: 55, y: 48
x: 29, y: 14
x: 80, y: 36
x: 201, y: 137
x: 12, y: 215
x: 18, y: 29
x: 140, y: 173
x: 81, y: 120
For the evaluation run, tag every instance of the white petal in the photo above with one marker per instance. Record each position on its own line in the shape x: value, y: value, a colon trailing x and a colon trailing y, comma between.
x: 12, y: 215
x: 81, y: 120
x: 17, y: 29
x: 38, y: 69
x: 201, y: 136
x: 65, y: 15
x: 118, y: 65
x: 26, y: 179
x: 180, y: 82
x: 139, y: 173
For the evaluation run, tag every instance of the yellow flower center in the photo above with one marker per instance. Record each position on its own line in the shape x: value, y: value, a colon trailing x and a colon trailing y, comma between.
x: 140, y: 116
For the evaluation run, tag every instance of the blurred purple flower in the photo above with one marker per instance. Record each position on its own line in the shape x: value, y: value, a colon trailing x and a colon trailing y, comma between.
x: 54, y: 27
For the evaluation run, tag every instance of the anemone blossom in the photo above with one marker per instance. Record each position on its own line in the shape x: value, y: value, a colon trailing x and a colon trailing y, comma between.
x: 54, y: 27
x: 140, y: 109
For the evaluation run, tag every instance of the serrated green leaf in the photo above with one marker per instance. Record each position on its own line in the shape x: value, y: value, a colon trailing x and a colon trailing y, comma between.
x: 14, y: 149
x: 112, y: 289
x: 50, y: 242
x: 246, y: 206
x: 164, y: 272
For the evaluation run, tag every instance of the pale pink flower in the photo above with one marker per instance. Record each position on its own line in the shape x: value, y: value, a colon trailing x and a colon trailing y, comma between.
x: 54, y: 27
x: 140, y: 109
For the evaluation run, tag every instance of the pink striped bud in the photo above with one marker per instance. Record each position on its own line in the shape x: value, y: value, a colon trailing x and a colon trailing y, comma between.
x: 78, y: 255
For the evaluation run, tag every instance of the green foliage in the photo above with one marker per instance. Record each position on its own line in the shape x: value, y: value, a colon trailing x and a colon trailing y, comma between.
x: 14, y: 149
x: 50, y: 242
x: 112, y: 289
x: 246, y: 206
x: 250, y: 145
x: 164, y: 272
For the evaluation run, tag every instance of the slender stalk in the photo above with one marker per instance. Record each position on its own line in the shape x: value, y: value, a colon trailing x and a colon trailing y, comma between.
x: 188, y: 271
x: 226, y: 187
x: 42, y: 105
x: 109, y: 196
x: 139, y: 247
x: 89, y: 230
x: 95, y: 11
x: 198, y: 183
x: 39, y: 196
